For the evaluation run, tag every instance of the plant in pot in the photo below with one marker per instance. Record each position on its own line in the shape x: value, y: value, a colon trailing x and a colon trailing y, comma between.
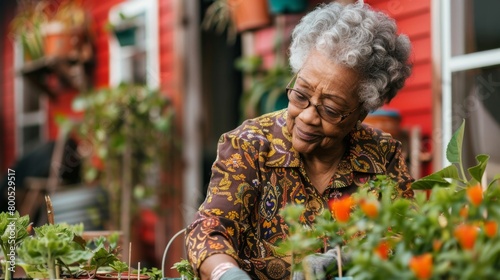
x: 104, y: 251
x: 67, y: 28
x: 13, y: 230
x: 185, y: 269
x: 26, y: 26
x: 266, y: 92
x: 154, y: 273
x: 130, y: 128
x: 236, y: 16
x: 121, y: 272
x: 124, y: 29
x: 53, y: 245
x: 453, y: 234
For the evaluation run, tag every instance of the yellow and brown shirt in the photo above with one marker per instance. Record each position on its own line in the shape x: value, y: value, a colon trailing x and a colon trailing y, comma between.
x: 257, y: 173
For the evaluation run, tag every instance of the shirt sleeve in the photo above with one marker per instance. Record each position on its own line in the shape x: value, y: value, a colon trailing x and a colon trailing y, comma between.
x: 225, y: 215
x: 398, y: 170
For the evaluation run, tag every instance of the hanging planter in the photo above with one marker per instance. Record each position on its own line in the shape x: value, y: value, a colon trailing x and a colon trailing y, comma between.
x: 126, y: 35
x: 287, y: 6
x: 249, y: 15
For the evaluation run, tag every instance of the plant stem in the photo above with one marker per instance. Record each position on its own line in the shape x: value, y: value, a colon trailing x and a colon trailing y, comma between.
x: 6, y: 267
x: 52, y: 267
x: 67, y: 268
x: 6, y: 270
x: 464, y: 178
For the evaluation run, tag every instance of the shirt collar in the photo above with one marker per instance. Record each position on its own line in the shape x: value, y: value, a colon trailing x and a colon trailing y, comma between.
x: 361, y: 142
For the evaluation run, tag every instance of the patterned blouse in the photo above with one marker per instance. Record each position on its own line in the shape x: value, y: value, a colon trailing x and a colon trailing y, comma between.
x: 257, y: 173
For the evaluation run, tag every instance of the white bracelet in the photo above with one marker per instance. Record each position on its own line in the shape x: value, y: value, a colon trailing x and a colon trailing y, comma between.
x: 220, y: 269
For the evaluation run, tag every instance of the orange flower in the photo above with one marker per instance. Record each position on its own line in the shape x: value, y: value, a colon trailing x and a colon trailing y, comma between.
x: 466, y: 235
x: 383, y: 249
x: 422, y: 266
x: 475, y: 194
x: 370, y: 208
x: 490, y: 228
x: 341, y: 208
x: 437, y: 244
x: 464, y: 211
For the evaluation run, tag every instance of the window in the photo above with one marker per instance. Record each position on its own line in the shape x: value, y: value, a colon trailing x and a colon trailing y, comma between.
x: 31, y: 113
x: 137, y: 60
x: 471, y: 77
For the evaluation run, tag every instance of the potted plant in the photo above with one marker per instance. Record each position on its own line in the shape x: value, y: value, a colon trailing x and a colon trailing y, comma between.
x: 44, y: 30
x: 453, y: 234
x: 13, y: 230
x: 130, y: 128
x: 65, y: 30
x: 120, y: 271
x: 185, y: 270
x: 124, y: 29
x: 104, y: 251
x: 266, y: 92
x: 236, y: 16
x: 27, y: 27
x: 53, y: 245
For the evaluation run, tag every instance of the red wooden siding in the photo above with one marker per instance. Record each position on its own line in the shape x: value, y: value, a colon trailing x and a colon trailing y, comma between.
x: 7, y: 108
x: 415, y: 99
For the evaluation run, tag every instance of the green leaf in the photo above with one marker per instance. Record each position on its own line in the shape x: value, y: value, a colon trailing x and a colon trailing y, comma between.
x: 495, y: 179
x: 477, y: 171
x: 437, y: 179
x: 454, y: 149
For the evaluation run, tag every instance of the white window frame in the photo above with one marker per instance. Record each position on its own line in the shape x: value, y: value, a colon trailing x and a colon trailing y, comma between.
x: 23, y: 119
x: 450, y: 64
x: 129, y: 9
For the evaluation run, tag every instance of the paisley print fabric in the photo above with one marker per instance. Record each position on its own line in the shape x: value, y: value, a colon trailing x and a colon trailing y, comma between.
x: 257, y: 173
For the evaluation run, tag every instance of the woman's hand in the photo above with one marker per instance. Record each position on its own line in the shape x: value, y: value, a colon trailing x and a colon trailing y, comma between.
x: 318, y: 266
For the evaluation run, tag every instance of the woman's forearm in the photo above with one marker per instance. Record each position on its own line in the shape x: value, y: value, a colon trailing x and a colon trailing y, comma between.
x: 211, y: 262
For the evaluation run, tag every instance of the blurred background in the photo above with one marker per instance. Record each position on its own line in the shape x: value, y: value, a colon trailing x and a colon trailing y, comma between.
x: 114, y: 108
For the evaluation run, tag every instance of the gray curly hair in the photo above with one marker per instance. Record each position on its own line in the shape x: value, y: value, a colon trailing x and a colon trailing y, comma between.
x: 359, y: 38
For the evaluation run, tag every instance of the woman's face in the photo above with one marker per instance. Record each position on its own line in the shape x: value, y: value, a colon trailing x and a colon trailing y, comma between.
x: 325, y: 83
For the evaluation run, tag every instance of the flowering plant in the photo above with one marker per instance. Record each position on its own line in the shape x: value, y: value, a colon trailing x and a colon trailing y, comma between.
x: 452, y: 234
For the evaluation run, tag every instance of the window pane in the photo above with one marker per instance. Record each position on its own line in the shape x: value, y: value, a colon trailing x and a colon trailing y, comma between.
x: 476, y: 98
x: 474, y: 26
x: 31, y: 98
x: 32, y: 137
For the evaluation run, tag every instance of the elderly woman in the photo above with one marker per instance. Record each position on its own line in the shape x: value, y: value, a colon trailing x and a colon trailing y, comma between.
x: 348, y: 61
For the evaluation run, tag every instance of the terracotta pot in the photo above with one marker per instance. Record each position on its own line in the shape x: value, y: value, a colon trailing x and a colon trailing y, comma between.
x: 249, y: 14
x: 58, y: 40
x: 387, y: 120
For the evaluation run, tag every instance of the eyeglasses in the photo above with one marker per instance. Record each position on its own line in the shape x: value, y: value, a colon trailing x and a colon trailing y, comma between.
x: 325, y: 111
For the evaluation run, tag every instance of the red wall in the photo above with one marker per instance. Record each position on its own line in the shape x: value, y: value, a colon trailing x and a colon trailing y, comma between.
x: 7, y: 108
x: 414, y: 101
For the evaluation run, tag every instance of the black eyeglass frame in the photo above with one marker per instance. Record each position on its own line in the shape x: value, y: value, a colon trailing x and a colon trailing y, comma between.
x: 337, y: 120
